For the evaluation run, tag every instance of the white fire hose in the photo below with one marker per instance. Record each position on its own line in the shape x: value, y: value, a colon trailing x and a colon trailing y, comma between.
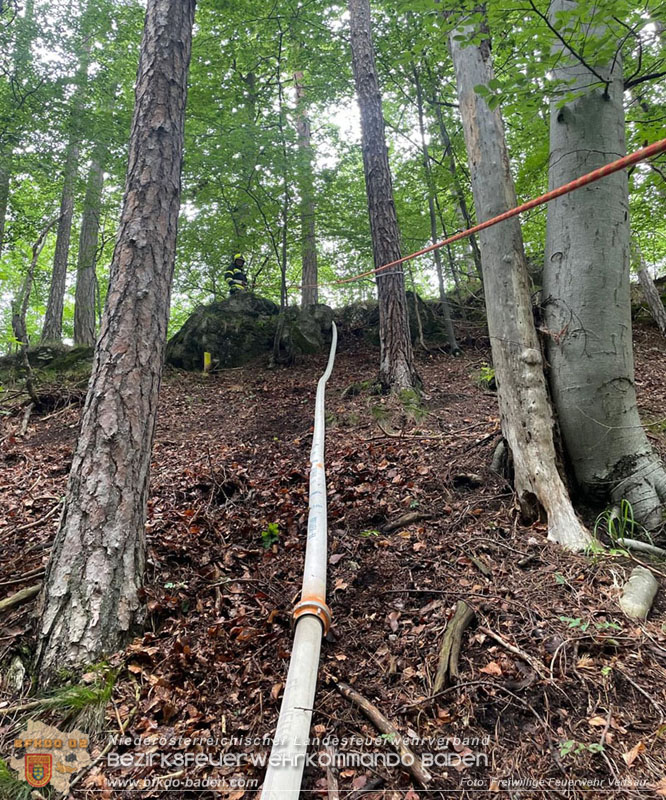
x: 312, y: 618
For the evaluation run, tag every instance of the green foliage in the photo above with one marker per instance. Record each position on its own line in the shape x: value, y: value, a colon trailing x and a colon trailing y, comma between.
x: 10, y: 787
x: 581, y: 625
x: 271, y: 535
x: 79, y: 697
x: 619, y: 523
x: 486, y: 376
x: 570, y: 747
x: 243, y: 169
x: 412, y: 404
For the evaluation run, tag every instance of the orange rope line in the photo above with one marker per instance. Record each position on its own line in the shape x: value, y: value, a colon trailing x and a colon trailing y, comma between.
x: 584, y: 180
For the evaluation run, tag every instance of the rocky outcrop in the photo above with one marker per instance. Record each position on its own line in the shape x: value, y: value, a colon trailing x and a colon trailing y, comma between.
x: 237, y: 330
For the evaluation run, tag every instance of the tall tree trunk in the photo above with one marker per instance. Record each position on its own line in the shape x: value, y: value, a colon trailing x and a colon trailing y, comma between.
x: 90, y: 601
x: 525, y: 413
x: 309, y: 291
x: 471, y: 246
x: 650, y: 291
x: 52, y: 330
x: 22, y: 300
x: 10, y: 125
x: 84, y: 303
x: 396, y: 369
x: 587, y: 295
x: 446, y: 309
x: 5, y: 175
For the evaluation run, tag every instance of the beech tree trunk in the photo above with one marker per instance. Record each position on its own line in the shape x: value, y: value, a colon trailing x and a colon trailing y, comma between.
x: 470, y: 245
x: 309, y: 291
x: 446, y: 309
x: 525, y: 413
x: 90, y: 601
x: 653, y: 300
x: 587, y: 295
x: 52, y: 330
x: 84, y: 304
x: 650, y: 291
x: 396, y: 369
x: 22, y: 300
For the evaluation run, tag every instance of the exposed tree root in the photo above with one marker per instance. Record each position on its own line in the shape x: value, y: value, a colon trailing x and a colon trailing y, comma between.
x: 20, y: 597
x: 645, y: 489
x: 449, y: 653
x: 642, y: 547
x: 410, y: 761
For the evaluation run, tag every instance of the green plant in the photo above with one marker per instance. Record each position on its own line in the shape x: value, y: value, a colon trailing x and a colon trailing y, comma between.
x: 486, y: 375
x: 10, y: 787
x: 619, y: 523
x: 411, y: 402
x: 78, y: 697
x: 379, y: 412
x: 271, y: 535
x: 572, y: 747
x: 367, y: 534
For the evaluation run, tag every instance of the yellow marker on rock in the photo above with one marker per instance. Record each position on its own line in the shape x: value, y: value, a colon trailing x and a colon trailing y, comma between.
x: 207, y: 363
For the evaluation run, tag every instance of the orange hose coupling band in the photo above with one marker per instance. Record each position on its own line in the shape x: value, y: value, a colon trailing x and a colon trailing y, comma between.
x: 314, y: 607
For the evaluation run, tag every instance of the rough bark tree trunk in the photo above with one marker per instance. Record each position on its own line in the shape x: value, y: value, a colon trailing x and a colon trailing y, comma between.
x: 11, y: 122
x: 587, y: 296
x: 446, y: 308
x: 84, y: 303
x: 525, y: 413
x: 91, y: 598
x: 52, y: 330
x: 396, y: 369
x: 5, y: 175
x: 309, y: 291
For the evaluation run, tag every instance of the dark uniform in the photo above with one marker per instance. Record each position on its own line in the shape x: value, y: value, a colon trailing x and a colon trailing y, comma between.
x: 235, y: 276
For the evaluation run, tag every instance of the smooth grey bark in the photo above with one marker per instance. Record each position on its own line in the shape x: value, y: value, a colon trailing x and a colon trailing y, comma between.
x: 525, y: 412
x: 587, y: 293
x: 22, y: 300
x: 52, y: 330
x: 396, y: 370
x: 444, y: 302
x: 471, y: 250
x: 653, y: 299
x: 84, y: 302
x: 309, y: 290
x: 90, y: 601
x: 650, y: 292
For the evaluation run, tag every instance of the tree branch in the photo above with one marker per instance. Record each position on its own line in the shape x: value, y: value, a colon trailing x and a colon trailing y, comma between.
x: 568, y: 46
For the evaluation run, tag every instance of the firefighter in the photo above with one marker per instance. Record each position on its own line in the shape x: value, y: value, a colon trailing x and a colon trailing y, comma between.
x: 235, y: 276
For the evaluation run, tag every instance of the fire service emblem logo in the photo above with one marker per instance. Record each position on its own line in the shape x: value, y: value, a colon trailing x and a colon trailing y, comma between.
x: 38, y: 769
x: 46, y: 756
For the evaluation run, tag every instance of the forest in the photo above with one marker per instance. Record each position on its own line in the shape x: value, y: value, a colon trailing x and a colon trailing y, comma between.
x: 332, y: 390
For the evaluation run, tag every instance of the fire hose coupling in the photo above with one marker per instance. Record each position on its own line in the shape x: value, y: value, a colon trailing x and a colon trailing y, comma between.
x: 314, y: 607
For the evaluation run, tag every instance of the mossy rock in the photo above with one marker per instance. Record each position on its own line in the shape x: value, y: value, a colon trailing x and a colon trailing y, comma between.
x: 49, y: 361
x: 241, y: 328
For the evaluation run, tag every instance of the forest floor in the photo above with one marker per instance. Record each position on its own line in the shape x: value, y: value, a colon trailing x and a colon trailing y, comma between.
x: 576, y: 706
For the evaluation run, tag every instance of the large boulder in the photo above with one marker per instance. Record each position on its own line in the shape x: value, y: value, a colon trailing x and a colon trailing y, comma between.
x: 237, y: 330
x: 362, y: 319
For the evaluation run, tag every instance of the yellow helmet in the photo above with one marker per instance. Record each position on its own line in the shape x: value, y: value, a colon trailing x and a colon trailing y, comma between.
x: 238, y: 255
